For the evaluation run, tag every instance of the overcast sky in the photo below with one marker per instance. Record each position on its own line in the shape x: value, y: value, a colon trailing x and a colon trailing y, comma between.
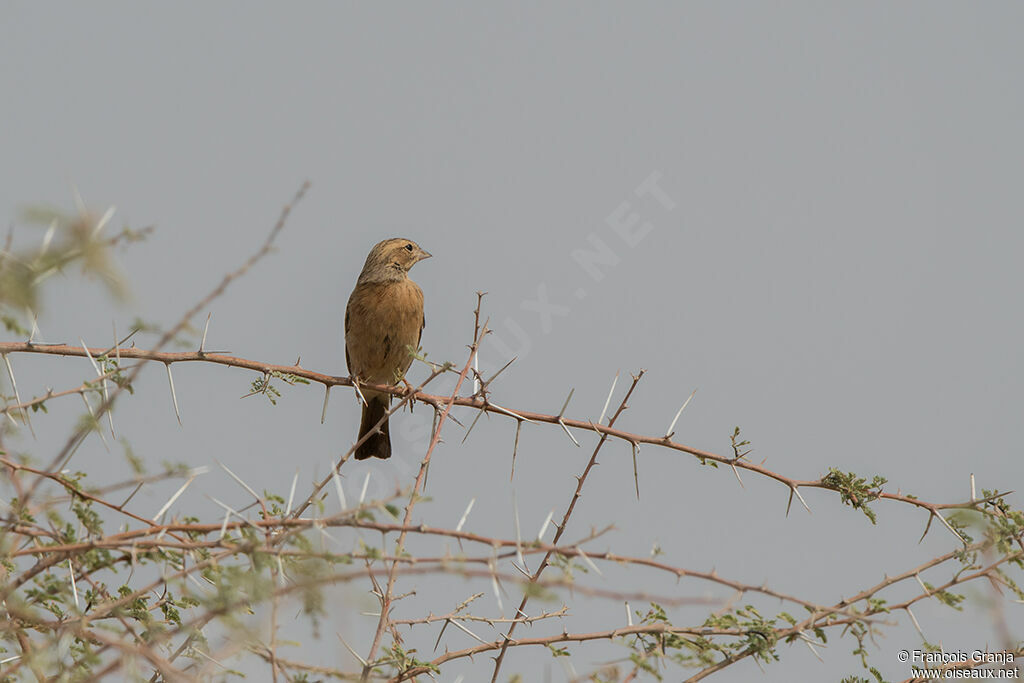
x: 832, y: 258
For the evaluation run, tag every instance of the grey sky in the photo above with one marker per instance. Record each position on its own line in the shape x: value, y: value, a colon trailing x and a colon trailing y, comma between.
x: 839, y: 274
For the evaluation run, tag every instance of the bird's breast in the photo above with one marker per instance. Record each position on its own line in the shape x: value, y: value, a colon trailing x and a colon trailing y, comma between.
x: 382, y: 321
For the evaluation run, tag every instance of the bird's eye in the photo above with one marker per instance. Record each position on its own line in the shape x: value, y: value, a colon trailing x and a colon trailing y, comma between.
x: 408, y: 247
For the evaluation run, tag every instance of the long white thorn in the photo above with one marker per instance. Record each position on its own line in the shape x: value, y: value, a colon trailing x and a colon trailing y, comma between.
x: 349, y: 648
x: 92, y: 414
x: 327, y: 396
x: 74, y: 585
x: 174, y: 396
x: 566, y: 404
x: 239, y: 480
x: 338, y: 489
x: 916, y: 624
x: 173, y: 498
x: 801, y: 498
x: 519, y: 536
x: 608, y: 400
x: 359, y: 392
x: 17, y: 397
x: 103, y: 380
x: 668, y: 434
x: 291, y: 495
x: 48, y: 237
x: 589, y: 562
x: 35, y: 325
x: 223, y: 527
x: 951, y: 529
x: 512, y: 414
x: 102, y: 222
x: 497, y: 591
x: 206, y: 328
x: 465, y: 515
x: 737, y: 473
x: 567, y: 432
x: 476, y: 374
x: 544, y: 526
x: 366, y: 483
x: 234, y: 512
x: 455, y: 623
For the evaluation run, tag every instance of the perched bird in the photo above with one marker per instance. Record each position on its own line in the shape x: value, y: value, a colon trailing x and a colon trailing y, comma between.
x: 383, y: 319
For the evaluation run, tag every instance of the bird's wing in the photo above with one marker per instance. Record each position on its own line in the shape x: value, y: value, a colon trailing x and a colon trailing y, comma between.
x: 348, y: 361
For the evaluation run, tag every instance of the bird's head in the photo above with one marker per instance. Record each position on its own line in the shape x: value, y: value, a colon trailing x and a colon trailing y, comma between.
x: 392, y: 259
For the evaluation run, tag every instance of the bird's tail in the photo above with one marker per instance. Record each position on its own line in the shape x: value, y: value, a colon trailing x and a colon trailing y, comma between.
x: 377, y: 445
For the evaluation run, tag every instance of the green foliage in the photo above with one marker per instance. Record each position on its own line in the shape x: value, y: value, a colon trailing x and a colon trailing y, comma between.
x: 855, y: 491
x: 263, y: 386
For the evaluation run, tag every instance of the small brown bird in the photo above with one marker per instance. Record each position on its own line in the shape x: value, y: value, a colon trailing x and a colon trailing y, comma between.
x: 384, y: 318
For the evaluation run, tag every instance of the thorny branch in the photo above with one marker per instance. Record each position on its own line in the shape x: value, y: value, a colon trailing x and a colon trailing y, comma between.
x: 54, y: 577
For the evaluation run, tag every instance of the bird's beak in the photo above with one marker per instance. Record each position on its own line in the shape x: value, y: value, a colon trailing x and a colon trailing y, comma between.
x: 423, y: 254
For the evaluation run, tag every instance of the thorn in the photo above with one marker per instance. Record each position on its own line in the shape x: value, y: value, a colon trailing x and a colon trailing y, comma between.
x: 327, y: 395
x: 354, y: 653
x: 463, y: 628
x: 337, y: 487
x: 92, y: 413
x: 174, y: 397
x: 74, y: 585
x: 232, y: 511
x: 35, y: 326
x: 609, y: 399
x: 439, y: 635
x: 974, y: 495
x: 355, y: 385
x: 515, y: 449
x: 497, y: 593
x: 476, y: 374
x: 291, y: 495
x: 916, y: 625
x: 102, y: 222
x: 17, y: 397
x: 589, y: 561
x: 568, y: 433
x: 566, y: 404
x: 465, y: 515
x: 103, y: 381
x: 926, y: 527
x: 48, y: 237
x: 495, y: 375
x: 544, y: 526
x: 223, y: 526
x: 522, y: 571
x: 669, y: 433
x: 737, y: 473
x: 801, y: 498
x: 636, y: 474
x: 951, y: 529
x: 206, y: 328
x: 170, y: 502
x: 509, y: 412
x: 519, y: 538
x: 366, y: 482
x: 473, y: 424
x: 239, y: 480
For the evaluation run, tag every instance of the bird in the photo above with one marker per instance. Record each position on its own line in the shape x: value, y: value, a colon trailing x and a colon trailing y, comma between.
x: 383, y: 325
